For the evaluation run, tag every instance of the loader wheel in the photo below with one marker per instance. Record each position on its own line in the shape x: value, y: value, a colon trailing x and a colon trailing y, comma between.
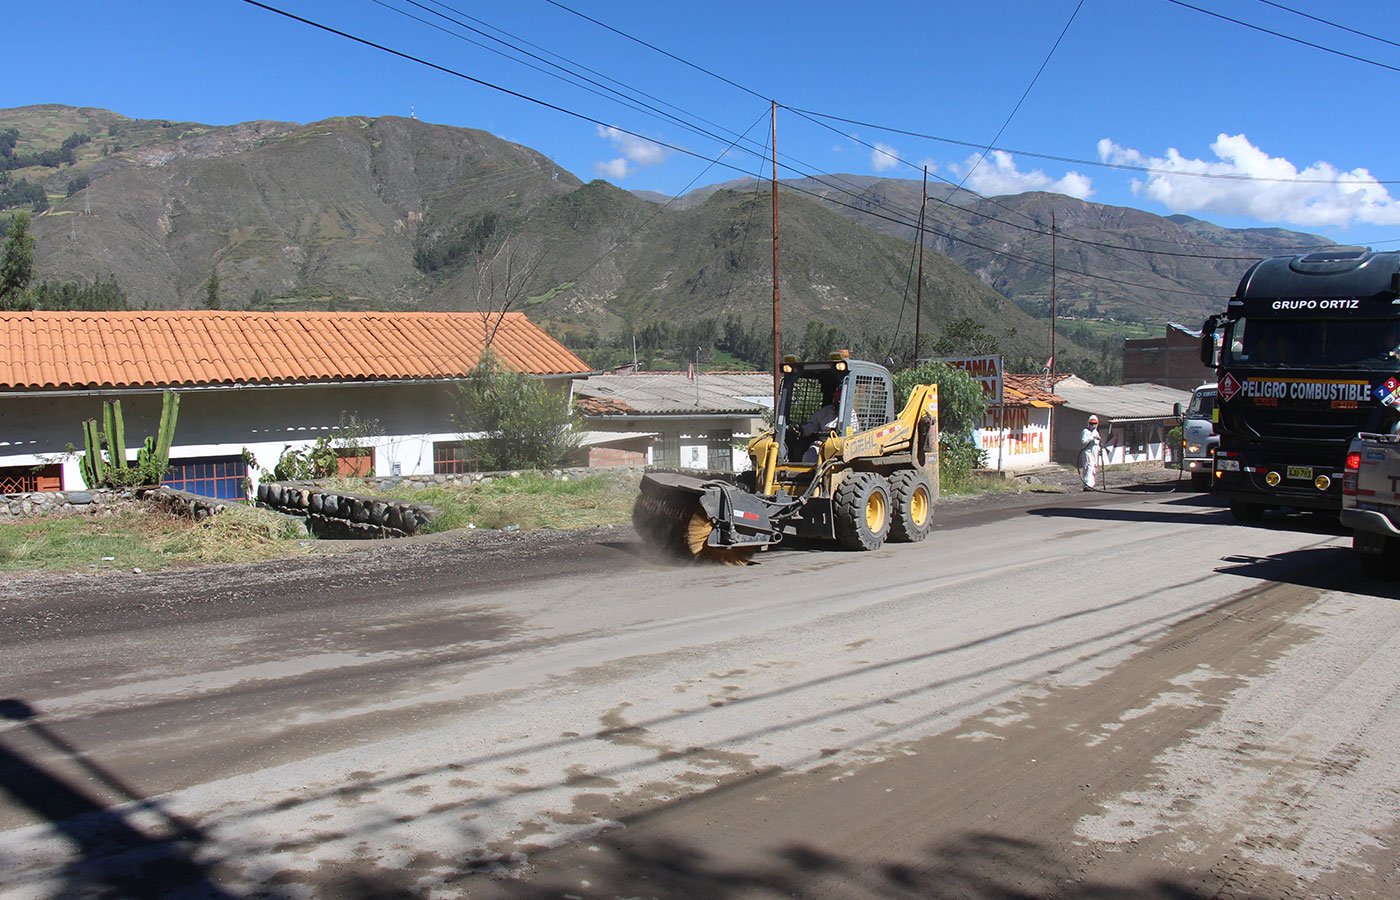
x: 862, y: 511
x: 913, y: 506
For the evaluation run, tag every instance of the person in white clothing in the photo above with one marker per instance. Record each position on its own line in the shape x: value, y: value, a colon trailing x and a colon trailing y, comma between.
x: 1089, y: 453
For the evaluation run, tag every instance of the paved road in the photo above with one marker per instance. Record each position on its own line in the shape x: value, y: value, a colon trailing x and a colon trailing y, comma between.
x: 1073, y: 696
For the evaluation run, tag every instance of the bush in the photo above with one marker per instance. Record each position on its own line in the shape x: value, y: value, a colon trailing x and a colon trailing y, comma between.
x: 519, y: 422
x: 961, y: 406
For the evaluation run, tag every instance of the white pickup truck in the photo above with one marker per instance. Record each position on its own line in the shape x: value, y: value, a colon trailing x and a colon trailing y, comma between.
x: 1371, y: 502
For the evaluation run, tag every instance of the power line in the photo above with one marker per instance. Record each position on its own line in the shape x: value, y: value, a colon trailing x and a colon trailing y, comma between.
x: 985, y: 150
x: 665, y: 53
x: 1287, y: 37
x: 1024, y: 94
x: 1223, y: 176
x: 715, y: 161
x: 1299, y: 12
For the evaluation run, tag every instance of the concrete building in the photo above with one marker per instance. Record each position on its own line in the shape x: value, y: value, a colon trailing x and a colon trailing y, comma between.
x: 699, y: 421
x: 1173, y: 360
x: 1133, y: 419
x: 1016, y: 434
x: 251, y: 384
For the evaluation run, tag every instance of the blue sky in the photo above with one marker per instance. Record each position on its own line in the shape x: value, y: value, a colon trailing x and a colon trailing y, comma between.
x: 1137, y: 82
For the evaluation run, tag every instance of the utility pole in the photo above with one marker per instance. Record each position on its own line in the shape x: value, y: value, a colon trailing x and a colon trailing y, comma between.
x: 1054, y: 299
x: 919, y: 290
x: 777, y: 330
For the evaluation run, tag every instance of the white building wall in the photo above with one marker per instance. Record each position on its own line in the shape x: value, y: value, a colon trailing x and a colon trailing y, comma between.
x: 225, y: 421
x: 1015, y: 438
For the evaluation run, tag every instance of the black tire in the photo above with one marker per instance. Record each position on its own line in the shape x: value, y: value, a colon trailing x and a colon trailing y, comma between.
x: 1200, y: 481
x: 913, y: 506
x: 1246, y: 512
x: 861, y: 508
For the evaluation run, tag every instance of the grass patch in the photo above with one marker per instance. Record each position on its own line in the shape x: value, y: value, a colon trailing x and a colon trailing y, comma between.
x: 145, y: 539
x: 978, y: 483
x: 529, y: 501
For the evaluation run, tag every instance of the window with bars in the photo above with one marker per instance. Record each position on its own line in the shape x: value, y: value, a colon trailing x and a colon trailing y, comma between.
x: 220, y: 477
x: 720, y: 447
x: 667, y: 451
x: 454, y: 458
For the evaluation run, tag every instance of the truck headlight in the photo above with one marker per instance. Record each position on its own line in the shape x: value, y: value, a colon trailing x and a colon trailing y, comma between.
x: 1193, y: 448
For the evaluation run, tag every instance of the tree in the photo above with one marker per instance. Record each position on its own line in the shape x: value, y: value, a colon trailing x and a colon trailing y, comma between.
x: 211, y: 289
x: 513, y: 420
x: 819, y: 340
x: 17, y: 264
x: 961, y: 405
x: 499, y: 281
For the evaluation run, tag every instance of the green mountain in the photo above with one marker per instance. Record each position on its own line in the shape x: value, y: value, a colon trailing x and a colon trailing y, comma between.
x: 397, y: 213
x: 1112, y: 261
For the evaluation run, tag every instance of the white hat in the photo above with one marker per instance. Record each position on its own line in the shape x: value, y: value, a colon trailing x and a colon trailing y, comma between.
x: 1094, y: 420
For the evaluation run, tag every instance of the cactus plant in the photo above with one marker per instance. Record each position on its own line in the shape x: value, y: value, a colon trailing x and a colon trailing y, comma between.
x: 153, y: 459
x: 115, y: 430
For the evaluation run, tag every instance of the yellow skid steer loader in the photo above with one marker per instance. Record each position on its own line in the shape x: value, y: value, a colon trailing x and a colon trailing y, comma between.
x: 838, y: 464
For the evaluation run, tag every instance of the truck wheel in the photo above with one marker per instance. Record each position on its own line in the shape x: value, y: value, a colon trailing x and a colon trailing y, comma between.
x: 913, y: 505
x: 1246, y: 512
x: 1200, y: 481
x: 862, y: 511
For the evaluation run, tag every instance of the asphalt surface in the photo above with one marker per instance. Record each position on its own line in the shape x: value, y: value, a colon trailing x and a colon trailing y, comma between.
x: 1056, y: 695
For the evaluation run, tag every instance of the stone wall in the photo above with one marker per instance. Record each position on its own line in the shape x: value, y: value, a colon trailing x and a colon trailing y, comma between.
x: 66, y: 503
x: 391, y: 482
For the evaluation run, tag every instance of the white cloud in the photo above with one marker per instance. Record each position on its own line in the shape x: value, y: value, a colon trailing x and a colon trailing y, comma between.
x: 637, y: 153
x: 883, y: 158
x: 616, y: 169
x: 1339, y: 199
x: 997, y: 174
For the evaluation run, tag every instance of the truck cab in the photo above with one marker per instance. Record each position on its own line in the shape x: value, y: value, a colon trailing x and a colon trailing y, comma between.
x: 1371, y: 501
x: 1198, y: 436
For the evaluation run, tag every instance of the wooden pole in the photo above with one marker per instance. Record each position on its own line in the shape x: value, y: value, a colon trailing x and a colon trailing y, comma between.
x: 1054, y: 298
x: 777, y: 329
x: 919, y: 290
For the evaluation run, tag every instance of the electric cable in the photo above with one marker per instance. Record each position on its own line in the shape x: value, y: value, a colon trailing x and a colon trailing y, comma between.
x: 1319, y: 19
x: 1223, y: 176
x: 1024, y: 94
x: 1287, y: 37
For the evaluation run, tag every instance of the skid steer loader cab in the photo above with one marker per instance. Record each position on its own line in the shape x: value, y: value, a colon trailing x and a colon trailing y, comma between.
x: 865, y: 391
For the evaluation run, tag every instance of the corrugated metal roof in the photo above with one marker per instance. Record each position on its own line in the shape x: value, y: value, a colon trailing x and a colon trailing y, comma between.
x: 675, y: 394
x: 1123, y: 401
x: 202, y: 347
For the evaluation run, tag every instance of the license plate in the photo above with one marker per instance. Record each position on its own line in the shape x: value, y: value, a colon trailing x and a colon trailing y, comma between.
x: 1301, y: 472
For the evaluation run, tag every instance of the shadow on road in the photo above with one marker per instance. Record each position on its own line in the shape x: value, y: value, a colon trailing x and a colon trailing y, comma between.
x: 114, y: 856
x: 973, y: 866
x: 1324, y: 568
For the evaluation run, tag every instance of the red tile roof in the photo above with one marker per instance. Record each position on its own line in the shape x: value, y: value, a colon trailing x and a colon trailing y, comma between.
x: 197, y: 347
x: 1027, y: 388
